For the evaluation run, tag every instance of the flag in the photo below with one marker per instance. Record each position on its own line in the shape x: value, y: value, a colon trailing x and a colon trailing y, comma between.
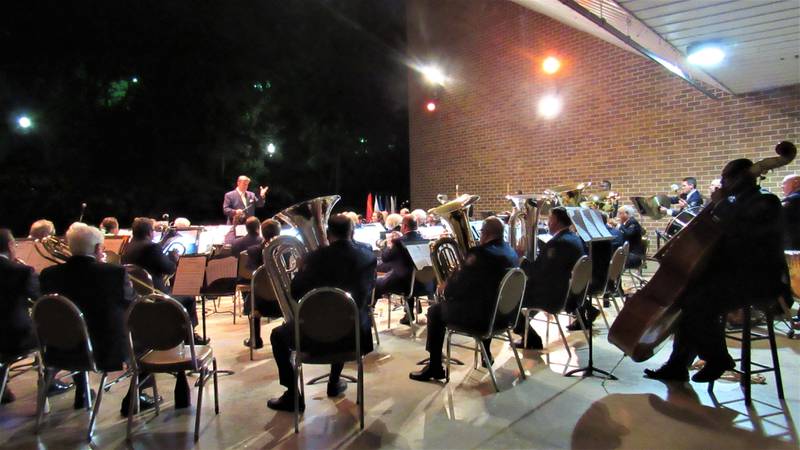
x: 368, y: 213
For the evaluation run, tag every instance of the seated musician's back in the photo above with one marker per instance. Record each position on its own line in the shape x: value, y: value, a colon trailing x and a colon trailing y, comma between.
x: 398, y: 265
x: 342, y: 264
x: 145, y: 253
x: 18, y: 283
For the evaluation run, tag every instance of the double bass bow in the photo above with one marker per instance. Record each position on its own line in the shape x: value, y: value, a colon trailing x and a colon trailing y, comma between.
x: 648, y: 317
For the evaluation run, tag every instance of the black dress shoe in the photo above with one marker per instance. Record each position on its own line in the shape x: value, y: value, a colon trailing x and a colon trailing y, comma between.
x: 428, y: 373
x: 667, y: 373
x: 8, y: 396
x: 259, y: 343
x: 483, y: 362
x: 534, y: 343
x: 285, y: 403
x: 198, y: 340
x: 405, y: 320
x: 336, y: 389
x: 145, y: 402
x: 712, y: 371
x: 58, y: 387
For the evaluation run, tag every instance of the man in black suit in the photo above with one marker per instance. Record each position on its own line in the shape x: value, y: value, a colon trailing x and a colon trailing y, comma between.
x: 791, y: 212
x: 270, y: 228
x: 145, y: 253
x: 240, y: 200
x: 252, y: 225
x: 549, y: 275
x: 632, y: 233
x: 341, y: 264
x: 689, y: 197
x: 103, y: 293
x: 396, y: 262
x: 469, y: 295
x: 746, y: 267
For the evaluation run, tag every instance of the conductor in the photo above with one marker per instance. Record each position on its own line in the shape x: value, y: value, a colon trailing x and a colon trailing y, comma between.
x: 242, y: 200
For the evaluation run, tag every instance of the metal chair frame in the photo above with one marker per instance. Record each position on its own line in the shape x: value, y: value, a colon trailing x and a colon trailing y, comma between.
x: 298, y: 360
x: 491, y: 331
x: 614, y: 279
x: 47, y: 373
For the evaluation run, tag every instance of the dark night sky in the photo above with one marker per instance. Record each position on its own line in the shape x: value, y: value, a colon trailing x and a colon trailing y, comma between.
x: 147, y: 107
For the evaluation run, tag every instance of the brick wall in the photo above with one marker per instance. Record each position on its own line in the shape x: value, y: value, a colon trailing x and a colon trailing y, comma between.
x: 625, y: 118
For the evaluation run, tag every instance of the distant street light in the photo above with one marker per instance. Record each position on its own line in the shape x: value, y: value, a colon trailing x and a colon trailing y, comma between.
x: 270, y: 149
x: 24, y: 122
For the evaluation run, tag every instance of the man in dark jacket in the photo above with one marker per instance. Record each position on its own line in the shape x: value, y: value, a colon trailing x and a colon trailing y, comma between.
x: 102, y: 292
x: 265, y: 307
x: 689, y: 197
x: 632, y: 232
x: 398, y: 265
x: 469, y: 295
x: 344, y: 265
x: 747, y: 267
x: 549, y: 275
x: 791, y: 212
x: 248, y: 240
x: 145, y: 253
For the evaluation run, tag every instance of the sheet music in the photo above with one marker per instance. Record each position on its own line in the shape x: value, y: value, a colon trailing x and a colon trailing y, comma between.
x: 420, y: 254
x: 189, y: 276
x: 221, y: 268
x: 241, y: 230
x: 114, y: 243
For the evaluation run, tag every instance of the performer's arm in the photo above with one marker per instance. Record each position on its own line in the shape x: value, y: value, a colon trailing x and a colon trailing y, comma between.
x: 227, y: 207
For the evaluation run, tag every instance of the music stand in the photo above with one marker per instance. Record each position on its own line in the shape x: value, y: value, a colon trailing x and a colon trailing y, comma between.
x: 591, y: 228
x: 189, y: 278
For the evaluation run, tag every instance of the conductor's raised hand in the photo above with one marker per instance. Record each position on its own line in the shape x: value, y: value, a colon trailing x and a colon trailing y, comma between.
x: 264, y: 190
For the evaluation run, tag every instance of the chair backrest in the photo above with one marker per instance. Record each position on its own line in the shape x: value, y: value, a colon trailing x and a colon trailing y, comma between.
x: 242, y: 272
x: 261, y: 286
x: 446, y: 257
x: 157, y: 322
x: 617, y: 265
x: 281, y: 258
x: 579, y: 282
x: 141, y: 279
x: 62, y: 333
x: 326, y: 316
x: 509, y: 299
x: 426, y: 275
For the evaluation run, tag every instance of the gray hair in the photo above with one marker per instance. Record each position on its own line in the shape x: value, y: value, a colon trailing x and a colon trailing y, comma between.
x: 393, y: 220
x: 83, y: 239
x: 182, y: 222
x: 629, y: 210
x: 420, y: 215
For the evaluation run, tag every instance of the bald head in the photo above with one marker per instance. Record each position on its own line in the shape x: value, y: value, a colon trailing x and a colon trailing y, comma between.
x: 492, y: 229
x: 791, y: 183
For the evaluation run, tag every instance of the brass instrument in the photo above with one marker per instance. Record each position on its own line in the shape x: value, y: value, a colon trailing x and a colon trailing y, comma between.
x: 310, y: 219
x: 651, y: 206
x: 523, y: 225
x: 281, y: 259
x: 454, y: 216
x: 446, y: 258
x: 567, y: 195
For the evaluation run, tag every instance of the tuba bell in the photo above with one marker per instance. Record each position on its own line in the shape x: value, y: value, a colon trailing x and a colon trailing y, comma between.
x: 310, y: 219
x: 523, y: 225
x: 454, y: 216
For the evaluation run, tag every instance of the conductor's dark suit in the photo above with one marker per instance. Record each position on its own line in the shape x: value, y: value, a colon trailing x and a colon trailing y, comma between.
x: 344, y: 265
x: 233, y: 201
x: 18, y: 283
x: 470, y: 294
x: 103, y: 293
x: 791, y: 221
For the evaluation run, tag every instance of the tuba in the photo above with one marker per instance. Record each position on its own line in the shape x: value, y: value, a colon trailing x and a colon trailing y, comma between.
x: 454, y: 215
x: 310, y: 218
x: 53, y: 249
x: 281, y: 259
x: 523, y: 225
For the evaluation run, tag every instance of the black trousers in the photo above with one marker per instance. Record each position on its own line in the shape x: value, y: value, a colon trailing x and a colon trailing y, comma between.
x: 437, y: 327
x: 282, y: 340
x: 190, y: 305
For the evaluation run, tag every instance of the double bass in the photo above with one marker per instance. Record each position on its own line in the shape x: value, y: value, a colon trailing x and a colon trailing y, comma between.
x: 649, y: 316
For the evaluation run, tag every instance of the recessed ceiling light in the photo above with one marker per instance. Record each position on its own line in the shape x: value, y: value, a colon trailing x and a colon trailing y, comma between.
x: 706, y: 54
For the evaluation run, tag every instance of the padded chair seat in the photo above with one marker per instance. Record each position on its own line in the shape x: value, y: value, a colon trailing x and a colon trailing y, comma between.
x: 328, y: 358
x: 172, y: 360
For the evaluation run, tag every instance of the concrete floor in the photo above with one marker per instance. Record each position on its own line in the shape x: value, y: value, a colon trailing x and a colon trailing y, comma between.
x: 547, y: 410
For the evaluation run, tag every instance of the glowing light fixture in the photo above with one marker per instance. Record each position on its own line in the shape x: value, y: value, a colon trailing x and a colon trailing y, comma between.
x: 551, y: 64
x: 706, y: 54
x: 24, y: 122
x: 135, y: 80
x: 434, y: 75
x: 270, y: 149
x: 430, y: 106
x: 550, y: 106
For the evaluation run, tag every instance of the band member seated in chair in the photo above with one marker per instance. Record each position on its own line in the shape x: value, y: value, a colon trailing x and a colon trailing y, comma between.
x: 549, y: 275
x: 469, y: 295
x: 270, y: 228
x: 399, y: 266
x: 632, y: 233
x: 689, y: 197
x: 791, y: 212
x: 103, y: 293
x: 747, y: 267
x: 344, y: 265
x: 145, y: 253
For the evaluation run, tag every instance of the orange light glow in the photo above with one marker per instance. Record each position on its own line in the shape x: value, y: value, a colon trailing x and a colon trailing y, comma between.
x: 551, y: 64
